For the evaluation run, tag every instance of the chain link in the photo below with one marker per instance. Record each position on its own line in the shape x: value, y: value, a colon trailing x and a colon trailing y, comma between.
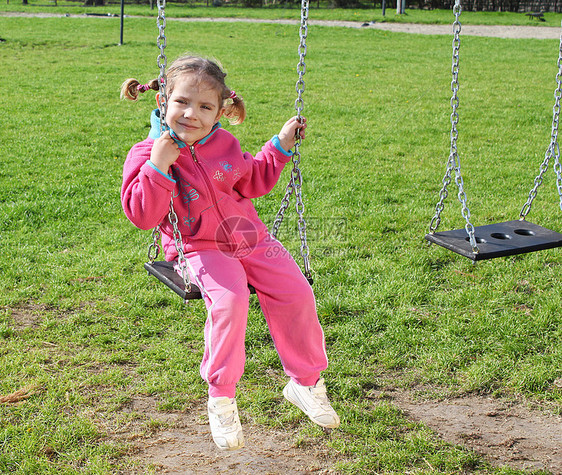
x: 553, y: 149
x: 453, y: 163
x: 154, y: 247
x: 295, y: 183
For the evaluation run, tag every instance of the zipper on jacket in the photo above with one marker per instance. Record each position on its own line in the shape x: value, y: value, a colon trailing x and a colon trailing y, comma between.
x: 192, y: 149
x: 212, y: 193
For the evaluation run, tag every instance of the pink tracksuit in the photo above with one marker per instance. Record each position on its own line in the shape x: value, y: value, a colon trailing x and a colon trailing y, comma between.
x: 227, y: 246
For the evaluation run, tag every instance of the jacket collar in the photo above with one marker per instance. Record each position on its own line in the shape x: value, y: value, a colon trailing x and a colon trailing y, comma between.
x: 155, y: 130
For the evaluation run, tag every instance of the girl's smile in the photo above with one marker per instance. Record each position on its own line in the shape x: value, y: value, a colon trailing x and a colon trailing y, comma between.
x: 193, y: 109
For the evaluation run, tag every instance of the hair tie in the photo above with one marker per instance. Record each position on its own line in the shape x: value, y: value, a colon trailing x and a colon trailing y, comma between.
x: 232, y: 95
x: 143, y: 87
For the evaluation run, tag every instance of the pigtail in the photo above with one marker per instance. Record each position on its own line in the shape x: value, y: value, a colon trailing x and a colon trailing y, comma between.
x: 235, y: 109
x: 131, y: 88
x: 205, y: 70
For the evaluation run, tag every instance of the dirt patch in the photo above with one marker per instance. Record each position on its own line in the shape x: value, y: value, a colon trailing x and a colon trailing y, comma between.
x: 29, y: 316
x: 181, y: 443
x: 505, y: 433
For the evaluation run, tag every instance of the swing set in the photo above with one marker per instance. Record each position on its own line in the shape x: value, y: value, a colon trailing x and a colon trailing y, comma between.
x: 164, y: 271
x: 477, y: 243
x: 500, y: 239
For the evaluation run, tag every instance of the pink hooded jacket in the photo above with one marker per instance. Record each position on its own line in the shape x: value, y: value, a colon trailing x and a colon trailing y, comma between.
x: 212, y: 182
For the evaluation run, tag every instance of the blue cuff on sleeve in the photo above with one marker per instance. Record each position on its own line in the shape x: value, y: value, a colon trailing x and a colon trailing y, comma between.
x: 275, y: 141
x: 160, y: 171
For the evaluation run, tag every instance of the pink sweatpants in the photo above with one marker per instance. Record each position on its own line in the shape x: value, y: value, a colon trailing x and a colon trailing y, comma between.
x: 287, y: 302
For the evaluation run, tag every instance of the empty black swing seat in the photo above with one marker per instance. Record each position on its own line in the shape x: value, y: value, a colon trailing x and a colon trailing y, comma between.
x: 498, y: 240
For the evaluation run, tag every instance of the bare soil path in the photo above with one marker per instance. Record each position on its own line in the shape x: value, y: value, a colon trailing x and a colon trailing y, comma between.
x: 538, y: 32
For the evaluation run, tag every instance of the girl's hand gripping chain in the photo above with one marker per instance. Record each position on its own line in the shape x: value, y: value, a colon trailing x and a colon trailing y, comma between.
x: 289, y: 132
x: 165, y: 152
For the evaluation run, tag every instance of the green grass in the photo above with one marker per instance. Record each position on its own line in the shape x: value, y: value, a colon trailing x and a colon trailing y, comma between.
x: 275, y: 12
x: 81, y: 320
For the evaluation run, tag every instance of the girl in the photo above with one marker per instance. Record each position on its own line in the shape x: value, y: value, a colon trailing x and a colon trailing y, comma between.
x: 226, y: 245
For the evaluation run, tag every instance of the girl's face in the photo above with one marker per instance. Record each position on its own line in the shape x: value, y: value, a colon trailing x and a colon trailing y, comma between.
x: 193, y: 109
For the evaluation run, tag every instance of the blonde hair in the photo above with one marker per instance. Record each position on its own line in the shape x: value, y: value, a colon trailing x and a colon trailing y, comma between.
x: 205, y: 71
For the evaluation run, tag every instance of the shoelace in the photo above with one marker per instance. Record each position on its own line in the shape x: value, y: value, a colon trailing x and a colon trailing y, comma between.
x: 320, y: 393
x: 226, y: 419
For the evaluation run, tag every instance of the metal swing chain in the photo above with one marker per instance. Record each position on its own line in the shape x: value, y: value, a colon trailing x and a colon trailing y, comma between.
x: 154, y: 248
x: 163, y: 105
x: 295, y: 183
x: 178, y: 243
x: 553, y: 149
x: 299, y: 105
x: 162, y: 63
x: 453, y: 162
x: 284, y: 205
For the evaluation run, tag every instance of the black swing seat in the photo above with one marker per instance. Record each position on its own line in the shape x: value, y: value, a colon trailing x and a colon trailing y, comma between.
x: 498, y: 240
x: 164, y: 271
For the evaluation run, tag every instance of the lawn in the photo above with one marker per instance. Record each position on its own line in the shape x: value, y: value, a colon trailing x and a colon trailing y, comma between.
x: 319, y: 11
x: 82, y: 323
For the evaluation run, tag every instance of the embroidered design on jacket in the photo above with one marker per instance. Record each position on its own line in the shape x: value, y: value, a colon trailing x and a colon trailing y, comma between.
x: 188, y: 194
x: 187, y: 191
x: 226, y: 166
x: 192, y: 195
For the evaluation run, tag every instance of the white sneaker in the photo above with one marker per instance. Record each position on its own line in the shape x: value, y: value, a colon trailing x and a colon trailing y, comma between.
x: 225, y: 423
x: 312, y: 400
